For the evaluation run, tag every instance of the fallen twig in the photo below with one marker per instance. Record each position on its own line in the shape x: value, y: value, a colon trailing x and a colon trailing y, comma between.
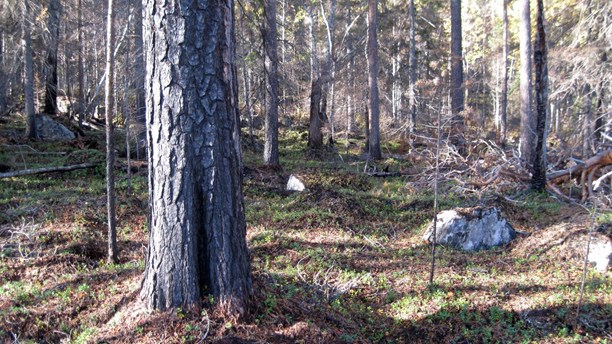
x: 47, y: 169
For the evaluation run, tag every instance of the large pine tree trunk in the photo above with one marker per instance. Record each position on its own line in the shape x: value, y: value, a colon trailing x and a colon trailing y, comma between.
x: 374, y: 146
x: 197, y: 245
x: 540, y: 59
x: 271, y: 64
x: 28, y: 85
x: 527, y: 118
x: 53, y: 25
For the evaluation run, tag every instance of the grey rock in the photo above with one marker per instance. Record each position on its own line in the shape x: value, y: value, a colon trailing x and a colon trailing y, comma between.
x: 48, y: 129
x: 471, y: 229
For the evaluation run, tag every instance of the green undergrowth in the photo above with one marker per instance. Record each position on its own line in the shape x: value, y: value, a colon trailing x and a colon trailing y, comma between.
x: 350, y: 247
x: 343, y: 261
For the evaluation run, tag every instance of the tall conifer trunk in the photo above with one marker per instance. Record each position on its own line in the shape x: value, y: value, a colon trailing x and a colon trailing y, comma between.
x: 540, y: 59
x: 197, y: 244
x: 374, y: 142
x: 527, y: 118
x: 271, y: 65
x: 53, y: 24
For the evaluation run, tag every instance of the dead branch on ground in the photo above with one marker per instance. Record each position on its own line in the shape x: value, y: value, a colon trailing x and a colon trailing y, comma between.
x: 47, y: 169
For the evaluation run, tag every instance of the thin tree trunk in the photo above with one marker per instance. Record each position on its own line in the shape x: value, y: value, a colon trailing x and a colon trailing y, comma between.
x: 350, y: 93
x: 540, y: 58
x: 350, y: 106
x: 283, y: 99
x: 110, y: 146
x: 126, y: 109
x: 328, y: 72
x: 28, y: 86
x: 457, y: 94
x: 587, y: 125
x: 81, y: 66
x: 601, y: 111
x: 412, y: 75
x: 504, y: 87
x: 3, y: 78
x: 434, y: 242
x: 375, y: 152
x: 313, y: 46
x: 247, y: 103
x: 67, y: 62
x: 395, y: 77
x: 315, y: 137
x: 366, y: 121
x: 139, y: 80
x: 271, y: 66
x: 53, y: 25
x: 527, y: 118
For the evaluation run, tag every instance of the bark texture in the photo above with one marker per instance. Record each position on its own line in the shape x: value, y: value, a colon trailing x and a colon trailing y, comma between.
x: 197, y: 245
x: 374, y: 144
x: 540, y: 59
x: 53, y: 24
x: 527, y: 119
x: 271, y: 64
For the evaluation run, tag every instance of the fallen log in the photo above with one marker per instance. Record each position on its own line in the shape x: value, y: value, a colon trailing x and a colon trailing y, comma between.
x: 47, y: 170
x: 585, y: 171
x: 597, y: 161
x: 384, y: 174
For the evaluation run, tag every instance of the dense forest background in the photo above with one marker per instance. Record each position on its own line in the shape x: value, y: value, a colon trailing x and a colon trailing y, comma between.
x: 315, y: 38
x: 343, y: 261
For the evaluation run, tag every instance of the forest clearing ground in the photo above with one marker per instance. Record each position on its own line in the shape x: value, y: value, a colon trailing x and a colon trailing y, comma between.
x: 340, y: 262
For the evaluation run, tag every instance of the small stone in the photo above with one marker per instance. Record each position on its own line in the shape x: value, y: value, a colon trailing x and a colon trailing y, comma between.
x: 295, y: 184
x: 600, y: 253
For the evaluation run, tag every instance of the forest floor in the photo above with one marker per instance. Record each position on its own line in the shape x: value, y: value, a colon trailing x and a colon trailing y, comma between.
x: 343, y: 261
